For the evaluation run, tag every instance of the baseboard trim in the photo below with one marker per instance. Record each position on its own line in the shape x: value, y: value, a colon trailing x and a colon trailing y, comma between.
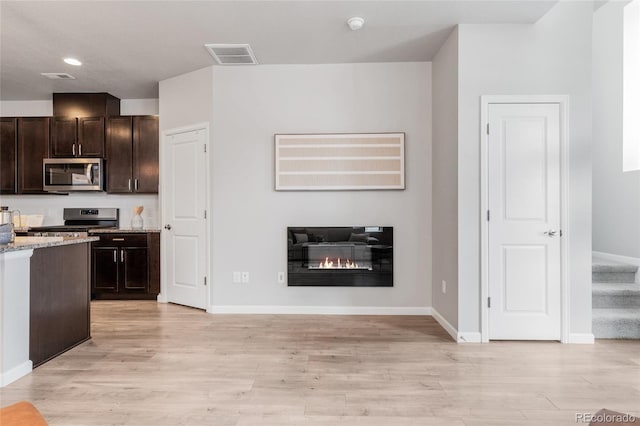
x: 581, y: 338
x: 15, y: 373
x: 318, y: 310
x: 617, y: 258
x: 469, y: 337
x: 453, y: 332
x: 162, y: 298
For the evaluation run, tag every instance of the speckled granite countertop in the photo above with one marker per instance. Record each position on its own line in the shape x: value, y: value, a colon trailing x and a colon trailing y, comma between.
x: 27, y: 243
x: 123, y: 230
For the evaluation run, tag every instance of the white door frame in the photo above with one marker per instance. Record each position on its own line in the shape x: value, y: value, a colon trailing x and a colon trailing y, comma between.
x: 162, y: 297
x: 563, y: 102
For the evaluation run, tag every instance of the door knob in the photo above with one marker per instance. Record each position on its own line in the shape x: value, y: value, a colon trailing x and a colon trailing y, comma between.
x: 167, y: 226
x: 550, y: 233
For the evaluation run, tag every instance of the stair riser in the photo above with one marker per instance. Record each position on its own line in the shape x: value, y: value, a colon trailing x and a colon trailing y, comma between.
x: 613, y: 277
x: 616, y: 329
x: 610, y: 301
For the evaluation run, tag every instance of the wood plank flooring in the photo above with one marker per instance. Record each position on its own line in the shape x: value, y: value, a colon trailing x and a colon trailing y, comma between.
x: 155, y: 364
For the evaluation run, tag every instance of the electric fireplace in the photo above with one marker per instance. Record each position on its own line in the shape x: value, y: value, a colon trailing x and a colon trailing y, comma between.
x: 355, y: 256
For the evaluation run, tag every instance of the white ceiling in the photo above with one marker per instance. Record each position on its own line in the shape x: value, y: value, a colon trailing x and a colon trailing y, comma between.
x: 127, y: 47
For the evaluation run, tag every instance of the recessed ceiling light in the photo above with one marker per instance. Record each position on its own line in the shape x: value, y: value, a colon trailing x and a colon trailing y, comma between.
x: 72, y: 61
x: 355, y: 23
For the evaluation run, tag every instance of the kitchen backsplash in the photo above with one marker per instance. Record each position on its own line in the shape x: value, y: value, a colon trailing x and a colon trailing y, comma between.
x: 51, y: 206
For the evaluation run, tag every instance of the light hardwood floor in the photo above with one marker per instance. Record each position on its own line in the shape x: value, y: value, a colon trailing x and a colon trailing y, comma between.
x: 155, y: 364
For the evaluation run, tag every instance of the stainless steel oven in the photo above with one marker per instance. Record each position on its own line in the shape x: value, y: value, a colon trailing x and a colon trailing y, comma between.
x: 72, y: 174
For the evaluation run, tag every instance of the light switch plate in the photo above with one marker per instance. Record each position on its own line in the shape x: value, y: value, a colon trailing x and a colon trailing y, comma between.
x: 237, y: 277
x: 280, y: 277
x: 245, y: 277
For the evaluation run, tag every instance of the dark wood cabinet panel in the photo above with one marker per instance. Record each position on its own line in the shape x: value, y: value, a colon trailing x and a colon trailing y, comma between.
x: 8, y: 155
x: 153, y: 245
x: 119, y: 164
x: 91, y: 137
x: 104, y: 261
x: 126, y: 266
x: 85, y: 105
x: 145, y: 154
x: 59, y: 307
x: 33, y: 147
x: 132, y: 154
x: 135, y: 269
x: 63, y: 137
x: 77, y: 137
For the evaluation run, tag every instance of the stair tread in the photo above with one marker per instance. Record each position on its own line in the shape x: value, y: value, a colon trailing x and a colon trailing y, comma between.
x: 616, y: 289
x: 616, y: 313
x: 599, y: 264
x: 609, y: 267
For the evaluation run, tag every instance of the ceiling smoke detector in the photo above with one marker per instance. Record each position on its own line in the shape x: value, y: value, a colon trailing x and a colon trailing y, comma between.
x: 58, y: 75
x: 232, y: 54
x: 355, y: 23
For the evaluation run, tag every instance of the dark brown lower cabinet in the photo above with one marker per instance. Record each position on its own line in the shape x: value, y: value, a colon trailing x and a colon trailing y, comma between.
x: 59, y: 300
x: 126, y: 266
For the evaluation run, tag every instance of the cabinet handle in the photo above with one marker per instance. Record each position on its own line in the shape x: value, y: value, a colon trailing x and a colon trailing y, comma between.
x: 80, y: 149
x: 115, y: 256
x: 73, y: 149
x: 136, y: 184
x: 117, y: 239
x: 122, y: 256
x: 129, y: 185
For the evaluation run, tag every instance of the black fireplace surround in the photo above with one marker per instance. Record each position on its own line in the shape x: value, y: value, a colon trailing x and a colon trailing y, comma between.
x: 345, y: 256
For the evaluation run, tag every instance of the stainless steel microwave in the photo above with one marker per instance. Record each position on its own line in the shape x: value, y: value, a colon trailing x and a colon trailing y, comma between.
x: 72, y: 174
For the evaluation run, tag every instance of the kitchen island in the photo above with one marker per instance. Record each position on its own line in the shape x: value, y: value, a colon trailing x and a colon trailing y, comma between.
x: 44, y: 301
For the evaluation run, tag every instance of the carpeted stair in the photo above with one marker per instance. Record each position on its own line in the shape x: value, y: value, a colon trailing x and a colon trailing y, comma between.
x: 616, y: 300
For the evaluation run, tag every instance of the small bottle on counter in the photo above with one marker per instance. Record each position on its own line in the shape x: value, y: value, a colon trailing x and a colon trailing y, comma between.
x: 136, y: 221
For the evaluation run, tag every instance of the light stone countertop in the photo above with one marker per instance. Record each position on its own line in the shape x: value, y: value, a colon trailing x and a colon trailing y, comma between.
x: 123, y: 230
x: 28, y: 243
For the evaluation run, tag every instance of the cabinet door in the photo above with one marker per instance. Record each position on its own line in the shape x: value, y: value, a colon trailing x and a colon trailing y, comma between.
x: 135, y: 262
x: 8, y: 155
x: 33, y: 147
x: 63, y: 137
x: 119, y: 155
x: 145, y: 154
x: 90, y: 137
x: 105, y: 263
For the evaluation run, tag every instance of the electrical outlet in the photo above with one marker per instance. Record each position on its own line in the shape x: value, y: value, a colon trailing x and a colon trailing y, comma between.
x: 237, y: 277
x: 280, y: 277
x: 444, y: 287
x: 245, y: 277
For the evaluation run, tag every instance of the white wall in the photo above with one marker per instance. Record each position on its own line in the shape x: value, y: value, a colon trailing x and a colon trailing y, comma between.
x: 445, y: 179
x: 616, y: 195
x: 186, y: 99
x: 631, y: 87
x: 51, y: 205
x: 139, y: 107
x: 552, y: 56
x: 44, y: 108
x: 250, y: 105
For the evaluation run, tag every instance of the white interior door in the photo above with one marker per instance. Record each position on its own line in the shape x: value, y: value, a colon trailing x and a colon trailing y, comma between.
x: 184, y: 201
x: 524, y: 239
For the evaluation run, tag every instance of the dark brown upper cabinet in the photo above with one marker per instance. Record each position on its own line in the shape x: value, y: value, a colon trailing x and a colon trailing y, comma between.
x: 132, y: 154
x: 77, y: 137
x: 85, y: 105
x: 8, y: 155
x: 33, y: 147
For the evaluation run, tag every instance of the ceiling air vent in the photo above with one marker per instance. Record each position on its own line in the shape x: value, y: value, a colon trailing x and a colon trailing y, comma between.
x: 58, y: 75
x: 232, y: 54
